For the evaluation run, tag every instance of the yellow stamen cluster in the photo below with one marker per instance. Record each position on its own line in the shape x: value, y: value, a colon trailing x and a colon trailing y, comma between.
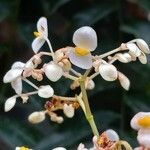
x: 37, y: 34
x: 144, y: 122
x: 81, y: 52
x: 23, y: 148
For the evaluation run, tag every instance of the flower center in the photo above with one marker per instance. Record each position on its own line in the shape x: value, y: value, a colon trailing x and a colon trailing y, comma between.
x: 81, y: 52
x: 37, y: 34
x: 23, y: 148
x: 144, y: 122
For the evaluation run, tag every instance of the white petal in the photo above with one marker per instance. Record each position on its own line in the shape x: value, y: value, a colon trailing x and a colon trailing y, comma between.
x: 133, y: 49
x: 124, y: 81
x: 68, y: 110
x: 112, y: 135
x: 108, y: 72
x: 144, y: 137
x: 81, y: 147
x: 86, y: 38
x: 36, y: 117
x: 10, y: 103
x: 134, y: 122
x: 59, y: 148
x: 142, y: 58
x: 46, y: 91
x: 11, y: 75
x: 37, y: 44
x: 84, y: 62
x: 18, y: 65
x: 17, y: 85
x: 53, y: 71
x: 143, y: 46
x: 42, y: 26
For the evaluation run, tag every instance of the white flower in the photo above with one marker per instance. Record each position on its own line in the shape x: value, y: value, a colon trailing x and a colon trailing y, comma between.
x: 85, y: 40
x: 108, y: 72
x: 141, y: 122
x: 68, y: 110
x: 59, y: 148
x: 53, y: 71
x: 45, y: 91
x: 10, y: 103
x: 14, y: 76
x: 22, y: 148
x: 36, y: 117
x: 112, y: 135
x: 124, y: 81
x: 41, y: 34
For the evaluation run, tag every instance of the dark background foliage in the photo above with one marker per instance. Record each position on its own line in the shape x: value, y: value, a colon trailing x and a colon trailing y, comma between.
x: 115, y: 21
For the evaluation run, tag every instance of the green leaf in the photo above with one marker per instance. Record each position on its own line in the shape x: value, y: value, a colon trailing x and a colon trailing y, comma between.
x: 139, y: 29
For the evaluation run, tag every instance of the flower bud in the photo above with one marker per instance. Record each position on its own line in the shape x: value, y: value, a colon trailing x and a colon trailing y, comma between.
x: 36, y: 117
x: 46, y: 91
x: 143, y: 45
x: 133, y: 49
x: 10, y: 103
x: 142, y: 58
x: 124, y: 81
x: 53, y: 71
x: 89, y: 84
x: 112, y: 135
x: 108, y: 72
x: 121, y: 58
x: 56, y: 118
x: 68, y: 110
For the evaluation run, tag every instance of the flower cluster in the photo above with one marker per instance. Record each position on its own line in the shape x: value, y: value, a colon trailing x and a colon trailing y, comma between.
x: 61, y: 65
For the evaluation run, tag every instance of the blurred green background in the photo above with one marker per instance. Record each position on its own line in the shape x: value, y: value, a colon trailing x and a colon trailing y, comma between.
x: 115, y: 21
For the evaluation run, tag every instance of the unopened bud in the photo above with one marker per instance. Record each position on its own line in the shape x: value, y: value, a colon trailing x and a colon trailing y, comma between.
x: 53, y: 71
x: 124, y: 81
x: 46, y: 91
x: 10, y: 103
x: 36, y: 117
x: 143, y: 45
x: 142, y: 58
x: 133, y: 49
x: 68, y: 110
x: 108, y: 72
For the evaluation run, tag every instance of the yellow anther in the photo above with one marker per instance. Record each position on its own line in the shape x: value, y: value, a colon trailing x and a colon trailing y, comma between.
x: 37, y: 34
x: 23, y: 148
x: 144, y: 122
x: 81, y: 52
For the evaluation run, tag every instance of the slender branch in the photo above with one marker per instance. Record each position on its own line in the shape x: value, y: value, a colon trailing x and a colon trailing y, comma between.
x: 88, y: 114
x: 75, y: 72
x: 30, y: 83
x: 65, y: 98
x: 71, y: 77
x: 50, y: 47
x: 94, y: 75
x: 110, y: 52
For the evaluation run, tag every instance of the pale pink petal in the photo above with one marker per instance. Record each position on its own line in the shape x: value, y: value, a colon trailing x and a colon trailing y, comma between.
x: 11, y: 75
x: 10, y: 103
x: 86, y: 38
x: 17, y: 85
x: 84, y: 62
x: 42, y: 26
x: 18, y: 65
x: 37, y: 44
